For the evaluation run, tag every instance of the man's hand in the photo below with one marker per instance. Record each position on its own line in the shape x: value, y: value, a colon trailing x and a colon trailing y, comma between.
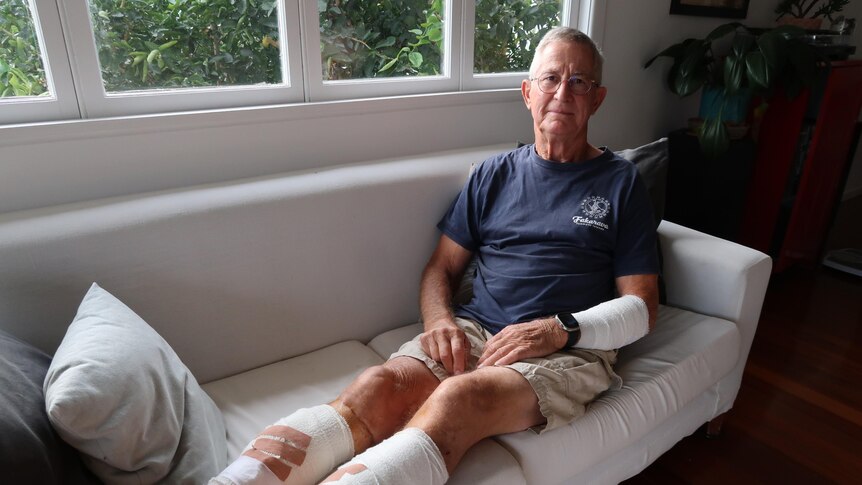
x: 523, y: 341
x: 447, y: 344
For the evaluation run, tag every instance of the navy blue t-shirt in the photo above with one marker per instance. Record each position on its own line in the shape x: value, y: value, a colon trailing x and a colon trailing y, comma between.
x: 550, y: 237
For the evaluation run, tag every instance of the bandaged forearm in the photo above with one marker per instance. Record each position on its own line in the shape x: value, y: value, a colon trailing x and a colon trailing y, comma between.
x: 613, y: 324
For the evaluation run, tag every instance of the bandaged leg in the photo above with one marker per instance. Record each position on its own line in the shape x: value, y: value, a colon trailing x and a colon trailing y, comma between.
x: 409, y: 456
x: 299, y: 449
x: 613, y: 324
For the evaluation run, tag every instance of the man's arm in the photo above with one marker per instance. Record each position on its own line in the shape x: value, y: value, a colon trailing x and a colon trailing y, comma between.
x: 643, y: 286
x: 442, y: 340
x: 543, y: 336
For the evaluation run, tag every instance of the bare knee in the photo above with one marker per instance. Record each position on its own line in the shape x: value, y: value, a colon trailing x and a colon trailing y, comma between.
x: 467, y: 393
x: 481, y: 404
x: 383, y: 398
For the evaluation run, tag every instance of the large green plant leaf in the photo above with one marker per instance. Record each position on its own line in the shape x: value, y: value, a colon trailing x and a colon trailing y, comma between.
x: 722, y: 30
x: 734, y: 67
x: 692, y: 70
x: 713, y: 138
x: 742, y: 44
x: 758, y: 70
x: 772, y: 47
x: 675, y: 52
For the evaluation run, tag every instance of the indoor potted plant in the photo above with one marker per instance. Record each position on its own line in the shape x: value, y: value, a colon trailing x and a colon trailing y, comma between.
x: 755, y: 62
x: 799, y: 12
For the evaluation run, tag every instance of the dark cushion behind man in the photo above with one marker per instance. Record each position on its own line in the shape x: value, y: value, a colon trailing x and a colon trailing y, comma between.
x: 652, y: 162
x: 30, y: 450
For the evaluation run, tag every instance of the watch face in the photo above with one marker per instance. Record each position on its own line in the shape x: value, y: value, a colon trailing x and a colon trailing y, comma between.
x: 568, y: 320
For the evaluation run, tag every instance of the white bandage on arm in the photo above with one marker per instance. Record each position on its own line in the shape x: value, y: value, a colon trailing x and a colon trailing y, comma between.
x: 613, y: 324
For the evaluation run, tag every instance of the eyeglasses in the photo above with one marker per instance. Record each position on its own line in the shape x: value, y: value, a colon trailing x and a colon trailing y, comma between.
x: 550, y: 83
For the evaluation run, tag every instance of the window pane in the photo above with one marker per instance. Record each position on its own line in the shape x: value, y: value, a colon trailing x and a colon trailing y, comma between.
x: 151, y: 44
x: 507, y: 33
x: 21, y: 70
x: 362, y: 39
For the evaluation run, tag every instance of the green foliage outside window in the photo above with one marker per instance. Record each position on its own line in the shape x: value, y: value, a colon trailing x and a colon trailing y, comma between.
x: 507, y: 32
x: 152, y: 44
x: 382, y: 38
x: 21, y: 69
x: 145, y: 44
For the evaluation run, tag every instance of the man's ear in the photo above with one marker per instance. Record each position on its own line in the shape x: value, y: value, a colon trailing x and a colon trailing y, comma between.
x: 599, y: 98
x: 525, y: 91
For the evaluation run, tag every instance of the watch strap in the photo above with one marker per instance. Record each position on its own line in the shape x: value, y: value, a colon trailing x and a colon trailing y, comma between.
x: 574, y: 337
x: 574, y: 332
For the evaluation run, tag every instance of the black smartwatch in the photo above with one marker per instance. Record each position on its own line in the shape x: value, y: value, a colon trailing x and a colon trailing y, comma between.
x: 569, y: 323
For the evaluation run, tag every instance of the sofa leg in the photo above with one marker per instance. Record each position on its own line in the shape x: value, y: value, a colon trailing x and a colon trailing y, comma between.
x: 713, y: 427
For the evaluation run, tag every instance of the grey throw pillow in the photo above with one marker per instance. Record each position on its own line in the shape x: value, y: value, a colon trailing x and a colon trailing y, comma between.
x: 118, y: 393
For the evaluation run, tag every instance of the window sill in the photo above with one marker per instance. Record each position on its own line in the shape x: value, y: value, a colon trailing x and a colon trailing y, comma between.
x: 18, y: 134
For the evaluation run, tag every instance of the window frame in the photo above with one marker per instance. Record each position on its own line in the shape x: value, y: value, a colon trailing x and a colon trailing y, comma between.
x: 71, y: 63
x: 95, y: 102
x: 60, y: 104
x: 320, y: 90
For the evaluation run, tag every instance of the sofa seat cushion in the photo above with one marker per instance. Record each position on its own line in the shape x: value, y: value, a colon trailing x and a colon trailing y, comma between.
x: 684, y: 355
x: 253, y: 400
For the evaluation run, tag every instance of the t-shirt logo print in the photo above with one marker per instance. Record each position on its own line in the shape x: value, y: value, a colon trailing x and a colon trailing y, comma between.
x: 594, y: 208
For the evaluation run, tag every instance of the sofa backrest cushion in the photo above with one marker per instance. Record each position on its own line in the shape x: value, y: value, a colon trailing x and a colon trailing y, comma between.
x: 239, y: 275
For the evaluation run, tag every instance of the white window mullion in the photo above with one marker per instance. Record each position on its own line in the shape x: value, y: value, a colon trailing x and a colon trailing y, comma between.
x: 590, y: 18
x: 468, y: 23
x: 61, y: 103
x: 96, y: 102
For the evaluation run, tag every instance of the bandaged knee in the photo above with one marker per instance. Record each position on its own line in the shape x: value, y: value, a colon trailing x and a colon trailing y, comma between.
x: 409, y: 456
x: 298, y: 449
x: 613, y: 324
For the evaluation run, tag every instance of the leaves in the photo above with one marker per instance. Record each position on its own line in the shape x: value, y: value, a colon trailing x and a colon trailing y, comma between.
x: 21, y: 70
x: 713, y: 137
x: 380, y: 39
x: 755, y: 62
x: 179, y: 38
x: 758, y: 69
x: 506, y: 32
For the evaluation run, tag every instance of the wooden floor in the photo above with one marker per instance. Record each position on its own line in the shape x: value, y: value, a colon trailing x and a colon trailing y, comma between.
x: 798, y: 416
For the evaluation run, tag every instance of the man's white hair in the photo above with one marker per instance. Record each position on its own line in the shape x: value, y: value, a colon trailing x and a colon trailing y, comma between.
x: 572, y: 36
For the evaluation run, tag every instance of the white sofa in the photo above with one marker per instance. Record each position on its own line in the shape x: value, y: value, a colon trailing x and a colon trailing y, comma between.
x: 306, y: 279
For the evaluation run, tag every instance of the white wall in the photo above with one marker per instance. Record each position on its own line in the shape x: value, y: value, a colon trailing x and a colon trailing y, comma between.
x: 54, y: 163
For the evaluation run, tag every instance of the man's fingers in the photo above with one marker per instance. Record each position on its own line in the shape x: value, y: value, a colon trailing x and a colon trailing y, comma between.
x: 491, y: 348
x: 460, y: 351
x: 430, y: 347
x: 444, y: 346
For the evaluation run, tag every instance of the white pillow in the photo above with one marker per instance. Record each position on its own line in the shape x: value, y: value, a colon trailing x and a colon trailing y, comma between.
x: 118, y: 393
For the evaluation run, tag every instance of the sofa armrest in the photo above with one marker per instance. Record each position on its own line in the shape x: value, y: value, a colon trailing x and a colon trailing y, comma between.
x: 713, y: 276
x: 719, y: 278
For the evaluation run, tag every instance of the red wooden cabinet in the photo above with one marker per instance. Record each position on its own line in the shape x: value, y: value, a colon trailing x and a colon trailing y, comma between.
x: 800, y: 168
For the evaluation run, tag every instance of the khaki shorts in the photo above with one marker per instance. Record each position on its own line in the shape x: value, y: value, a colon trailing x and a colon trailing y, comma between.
x: 565, y: 381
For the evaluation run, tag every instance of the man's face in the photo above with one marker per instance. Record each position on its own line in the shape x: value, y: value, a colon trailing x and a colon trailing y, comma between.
x: 562, y: 113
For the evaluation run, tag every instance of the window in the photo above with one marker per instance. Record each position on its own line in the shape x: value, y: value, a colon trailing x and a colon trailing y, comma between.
x: 505, y: 34
x: 99, y: 58
x: 363, y: 40
x: 158, y: 44
x: 34, y: 78
x: 22, y: 72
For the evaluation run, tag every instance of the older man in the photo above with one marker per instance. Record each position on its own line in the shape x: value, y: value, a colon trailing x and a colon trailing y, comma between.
x: 559, y: 228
